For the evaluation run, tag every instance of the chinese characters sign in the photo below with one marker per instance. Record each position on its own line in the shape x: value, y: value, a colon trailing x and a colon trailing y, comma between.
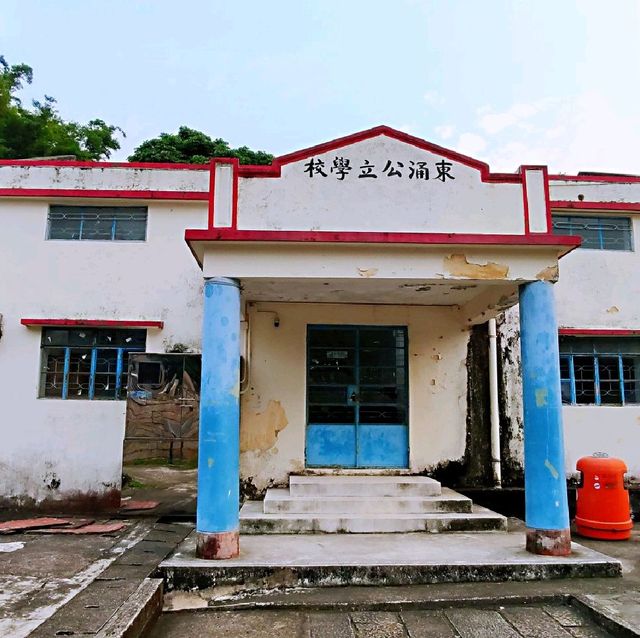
x: 341, y: 168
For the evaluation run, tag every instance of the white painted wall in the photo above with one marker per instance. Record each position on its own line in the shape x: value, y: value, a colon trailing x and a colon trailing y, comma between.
x: 274, y: 406
x: 628, y: 192
x: 601, y: 288
x: 104, y: 178
x: 80, y: 442
x: 296, y: 201
x: 611, y: 429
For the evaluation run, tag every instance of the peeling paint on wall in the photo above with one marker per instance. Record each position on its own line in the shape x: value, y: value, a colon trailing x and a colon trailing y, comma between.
x: 550, y: 273
x: 458, y: 266
x: 367, y: 272
x: 260, y: 430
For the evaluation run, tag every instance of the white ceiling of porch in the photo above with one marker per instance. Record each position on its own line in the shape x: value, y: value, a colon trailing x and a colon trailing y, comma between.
x: 368, y: 289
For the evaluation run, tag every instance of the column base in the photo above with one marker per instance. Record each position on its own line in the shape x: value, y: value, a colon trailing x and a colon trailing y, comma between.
x: 217, y: 545
x: 549, y: 542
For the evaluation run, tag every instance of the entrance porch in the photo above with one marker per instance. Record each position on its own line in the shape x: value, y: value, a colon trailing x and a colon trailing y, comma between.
x: 337, y: 320
x: 344, y: 373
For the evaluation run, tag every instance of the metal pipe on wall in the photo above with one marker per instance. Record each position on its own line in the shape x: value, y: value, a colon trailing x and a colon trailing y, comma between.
x: 493, y: 403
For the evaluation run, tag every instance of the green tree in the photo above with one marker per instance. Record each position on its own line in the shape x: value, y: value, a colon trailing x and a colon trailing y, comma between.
x: 39, y: 131
x: 193, y: 147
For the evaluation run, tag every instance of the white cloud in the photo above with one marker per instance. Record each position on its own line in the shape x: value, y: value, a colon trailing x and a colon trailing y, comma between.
x: 493, y: 122
x: 589, y: 131
x: 471, y: 144
x: 445, y: 131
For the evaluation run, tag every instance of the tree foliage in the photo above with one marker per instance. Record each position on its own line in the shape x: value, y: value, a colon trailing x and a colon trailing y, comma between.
x: 39, y: 131
x: 193, y: 147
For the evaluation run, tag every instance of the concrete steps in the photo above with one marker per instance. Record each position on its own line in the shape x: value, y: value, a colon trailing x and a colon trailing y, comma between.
x: 363, y: 485
x: 365, y: 504
x: 282, y: 500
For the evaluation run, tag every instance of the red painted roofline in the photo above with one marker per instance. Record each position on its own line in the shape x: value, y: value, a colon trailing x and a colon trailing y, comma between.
x: 358, y: 237
x: 94, y: 323
x: 274, y: 170
x: 49, y: 193
x: 92, y: 164
x: 192, y: 236
x: 597, y: 332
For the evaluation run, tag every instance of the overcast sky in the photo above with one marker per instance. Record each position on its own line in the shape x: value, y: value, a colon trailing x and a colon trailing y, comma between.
x: 510, y: 82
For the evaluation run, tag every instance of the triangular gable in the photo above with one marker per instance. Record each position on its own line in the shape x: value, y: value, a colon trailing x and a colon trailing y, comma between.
x: 380, y: 180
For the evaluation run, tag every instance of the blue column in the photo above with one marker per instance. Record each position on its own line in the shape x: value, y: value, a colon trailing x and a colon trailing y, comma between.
x: 547, y: 511
x: 219, y: 451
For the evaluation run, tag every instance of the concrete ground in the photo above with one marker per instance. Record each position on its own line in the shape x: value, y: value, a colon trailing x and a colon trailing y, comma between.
x: 40, y: 573
x: 533, y: 609
x: 174, y: 488
x: 63, y: 585
x: 532, y: 621
x: 74, y: 585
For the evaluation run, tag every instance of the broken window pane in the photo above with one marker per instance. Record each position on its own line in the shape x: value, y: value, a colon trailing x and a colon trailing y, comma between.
x: 92, y: 371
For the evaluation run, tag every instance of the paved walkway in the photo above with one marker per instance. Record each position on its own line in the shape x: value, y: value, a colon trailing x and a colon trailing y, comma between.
x: 67, y: 585
x: 551, y: 621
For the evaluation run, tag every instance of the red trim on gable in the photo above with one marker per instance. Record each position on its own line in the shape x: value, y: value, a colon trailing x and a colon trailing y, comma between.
x: 235, y: 163
x: 525, y: 200
x: 355, y: 237
x: 89, y: 164
x: 274, y: 170
x: 621, y: 206
x: 547, y: 199
x: 597, y: 332
x: 95, y: 323
x: 545, y: 178
x: 103, y: 194
x: 212, y: 190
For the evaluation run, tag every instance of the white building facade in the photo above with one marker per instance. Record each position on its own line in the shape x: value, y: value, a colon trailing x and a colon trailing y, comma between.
x: 365, y: 266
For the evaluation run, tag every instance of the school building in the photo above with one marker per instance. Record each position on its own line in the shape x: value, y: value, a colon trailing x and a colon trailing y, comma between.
x: 375, y: 307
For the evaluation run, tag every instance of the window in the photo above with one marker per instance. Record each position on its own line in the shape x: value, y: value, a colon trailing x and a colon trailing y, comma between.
x: 601, y: 233
x: 106, y: 223
x: 600, y: 371
x: 87, y: 364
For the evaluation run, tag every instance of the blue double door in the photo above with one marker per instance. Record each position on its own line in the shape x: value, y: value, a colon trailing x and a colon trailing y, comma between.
x: 357, y: 397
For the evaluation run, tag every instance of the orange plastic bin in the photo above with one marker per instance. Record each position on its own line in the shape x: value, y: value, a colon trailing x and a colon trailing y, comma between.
x: 602, y: 502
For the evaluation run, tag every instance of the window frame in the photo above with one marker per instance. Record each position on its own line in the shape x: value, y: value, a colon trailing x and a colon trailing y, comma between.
x: 94, y: 347
x: 90, y: 209
x: 595, y: 219
x: 568, y: 357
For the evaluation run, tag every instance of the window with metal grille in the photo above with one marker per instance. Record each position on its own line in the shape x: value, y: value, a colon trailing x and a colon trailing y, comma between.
x: 600, y: 233
x: 80, y: 363
x: 600, y: 371
x: 105, y: 223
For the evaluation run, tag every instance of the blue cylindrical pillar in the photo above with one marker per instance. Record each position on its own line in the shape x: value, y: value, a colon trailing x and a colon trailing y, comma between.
x: 547, y: 511
x: 219, y: 452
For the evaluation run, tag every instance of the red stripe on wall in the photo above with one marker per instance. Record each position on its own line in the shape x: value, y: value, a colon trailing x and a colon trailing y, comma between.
x: 96, y: 323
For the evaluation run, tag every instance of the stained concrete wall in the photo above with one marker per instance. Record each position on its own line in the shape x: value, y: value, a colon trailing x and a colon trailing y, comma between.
x: 55, y: 449
x: 273, y: 408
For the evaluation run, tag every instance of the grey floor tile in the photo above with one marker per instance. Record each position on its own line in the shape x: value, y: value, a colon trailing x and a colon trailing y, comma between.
x: 480, y: 623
